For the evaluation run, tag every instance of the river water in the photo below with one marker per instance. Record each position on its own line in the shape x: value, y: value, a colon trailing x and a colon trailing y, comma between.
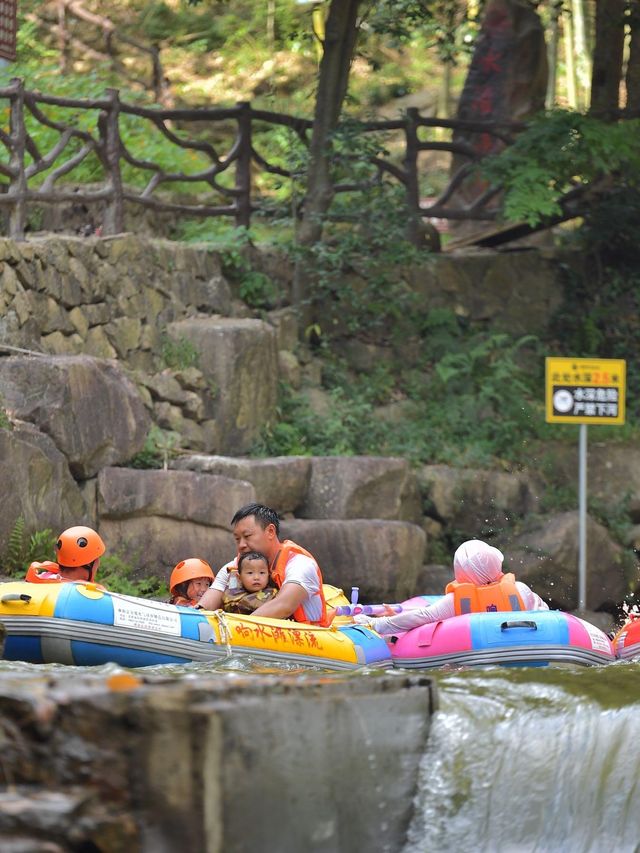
x: 519, y: 760
x: 535, y: 759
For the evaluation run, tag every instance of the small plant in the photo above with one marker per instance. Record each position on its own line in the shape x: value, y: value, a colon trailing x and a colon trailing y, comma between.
x: 258, y: 290
x: 178, y: 353
x: 115, y: 574
x: 23, y: 548
x: 159, y: 446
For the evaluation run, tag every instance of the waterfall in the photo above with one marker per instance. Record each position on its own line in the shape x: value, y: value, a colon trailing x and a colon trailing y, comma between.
x: 544, y: 760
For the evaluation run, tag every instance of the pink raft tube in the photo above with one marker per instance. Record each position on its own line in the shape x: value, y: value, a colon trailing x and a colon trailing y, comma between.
x: 518, y: 638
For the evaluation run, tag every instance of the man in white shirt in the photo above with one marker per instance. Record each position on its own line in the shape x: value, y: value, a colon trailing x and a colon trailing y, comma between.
x: 256, y: 528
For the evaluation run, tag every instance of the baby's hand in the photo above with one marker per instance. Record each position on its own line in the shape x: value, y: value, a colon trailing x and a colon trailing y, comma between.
x: 366, y: 621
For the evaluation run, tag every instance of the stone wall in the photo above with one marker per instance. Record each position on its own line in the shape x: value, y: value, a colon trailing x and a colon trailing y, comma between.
x: 142, y: 764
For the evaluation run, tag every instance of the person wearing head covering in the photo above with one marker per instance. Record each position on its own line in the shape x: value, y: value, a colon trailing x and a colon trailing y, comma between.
x: 480, y: 586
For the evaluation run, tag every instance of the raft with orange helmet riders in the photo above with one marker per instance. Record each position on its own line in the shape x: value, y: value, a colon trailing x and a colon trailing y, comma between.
x: 59, y: 614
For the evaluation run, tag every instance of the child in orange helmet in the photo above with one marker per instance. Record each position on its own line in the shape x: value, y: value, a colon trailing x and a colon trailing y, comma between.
x: 78, y: 550
x: 254, y: 590
x: 190, y: 579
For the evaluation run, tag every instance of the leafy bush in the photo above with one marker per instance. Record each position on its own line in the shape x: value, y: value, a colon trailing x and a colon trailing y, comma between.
x: 159, y: 446
x: 178, y: 353
x: 477, y: 402
x: 115, y: 573
x: 559, y: 151
x: 23, y: 549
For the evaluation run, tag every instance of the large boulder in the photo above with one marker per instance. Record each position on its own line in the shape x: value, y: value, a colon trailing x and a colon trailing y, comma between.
x: 239, y: 357
x: 154, y: 544
x: 471, y: 499
x: 546, y: 558
x: 280, y: 482
x: 361, y: 487
x: 37, y: 484
x: 157, y: 518
x: 91, y: 410
x: 181, y: 495
x: 382, y: 558
x: 613, y: 473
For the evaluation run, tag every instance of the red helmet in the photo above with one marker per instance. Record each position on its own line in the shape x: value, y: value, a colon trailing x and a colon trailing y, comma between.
x: 189, y: 570
x: 79, y: 546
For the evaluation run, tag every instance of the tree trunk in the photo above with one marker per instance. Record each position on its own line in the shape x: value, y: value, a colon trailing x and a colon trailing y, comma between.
x: 552, y: 55
x: 582, y: 51
x: 569, y: 64
x: 607, y: 58
x: 632, y: 78
x: 339, y: 44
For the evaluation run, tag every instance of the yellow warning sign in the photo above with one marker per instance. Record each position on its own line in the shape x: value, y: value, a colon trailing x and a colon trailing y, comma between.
x: 585, y: 390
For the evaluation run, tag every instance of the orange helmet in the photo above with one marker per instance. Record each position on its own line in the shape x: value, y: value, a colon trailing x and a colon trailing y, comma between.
x: 79, y: 546
x: 189, y: 570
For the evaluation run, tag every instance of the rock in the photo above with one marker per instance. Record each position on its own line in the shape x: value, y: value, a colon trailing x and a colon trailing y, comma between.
x: 289, y: 368
x: 239, y: 355
x: 280, y: 482
x: 613, y: 473
x: 632, y: 537
x: 37, y: 484
x: 433, y: 579
x: 153, y: 544
x: 285, y: 322
x: 473, y: 500
x: 91, y: 410
x: 546, y: 558
x: 361, y: 487
x: 170, y: 763
x: 382, y: 558
x: 184, y: 495
x: 212, y: 296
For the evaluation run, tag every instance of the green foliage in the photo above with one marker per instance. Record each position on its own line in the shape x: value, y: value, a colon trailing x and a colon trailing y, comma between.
x: 159, y: 446
x: 559, y: 151
x: 471, y: 405
x: 178, y: 353
x: 115, y: 572
x: 23, y: 548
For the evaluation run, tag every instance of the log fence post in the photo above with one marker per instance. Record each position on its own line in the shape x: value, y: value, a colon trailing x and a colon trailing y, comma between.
x: 18, y: 183
x: 113, y: 221
x: 412, y: 149
x: 243, y: 167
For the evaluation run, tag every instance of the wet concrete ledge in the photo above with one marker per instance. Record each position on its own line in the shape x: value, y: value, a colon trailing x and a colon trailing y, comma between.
x: 215, y: 763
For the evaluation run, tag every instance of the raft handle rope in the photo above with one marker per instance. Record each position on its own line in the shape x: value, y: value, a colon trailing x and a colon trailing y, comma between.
x: 525, y: 624
x: 14, y: 596
x: 225, y: 631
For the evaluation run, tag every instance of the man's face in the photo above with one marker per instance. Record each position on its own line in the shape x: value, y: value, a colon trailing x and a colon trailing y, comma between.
x: 251, y: 536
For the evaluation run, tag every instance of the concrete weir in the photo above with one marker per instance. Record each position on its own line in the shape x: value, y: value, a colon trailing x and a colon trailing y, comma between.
x: 220, y: 763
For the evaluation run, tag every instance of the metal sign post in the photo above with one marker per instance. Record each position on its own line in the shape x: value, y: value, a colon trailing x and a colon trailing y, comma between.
x: 584, y: 391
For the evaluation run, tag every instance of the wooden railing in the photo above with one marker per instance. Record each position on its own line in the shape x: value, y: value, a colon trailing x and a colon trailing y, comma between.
x: 31, y: 175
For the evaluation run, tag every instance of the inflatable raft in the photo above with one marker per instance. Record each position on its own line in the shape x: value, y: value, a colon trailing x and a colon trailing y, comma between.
x: 525, y: 638
x: 626, y: 642
x: 81, y: 624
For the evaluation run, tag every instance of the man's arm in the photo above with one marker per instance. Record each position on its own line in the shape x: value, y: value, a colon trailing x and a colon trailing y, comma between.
x: 212, y: 599
x: 290, y: 597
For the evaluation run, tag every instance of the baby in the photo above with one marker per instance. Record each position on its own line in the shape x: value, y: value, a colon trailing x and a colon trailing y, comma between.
x: 479, y: 586
x: 190, y: 579
x: 254, y: 590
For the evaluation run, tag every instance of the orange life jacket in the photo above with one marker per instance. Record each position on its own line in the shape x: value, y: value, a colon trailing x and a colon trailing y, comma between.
x: 49, y: 572
x: 181, y: 601
x: 287, y: 548
x: 500, y: 596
